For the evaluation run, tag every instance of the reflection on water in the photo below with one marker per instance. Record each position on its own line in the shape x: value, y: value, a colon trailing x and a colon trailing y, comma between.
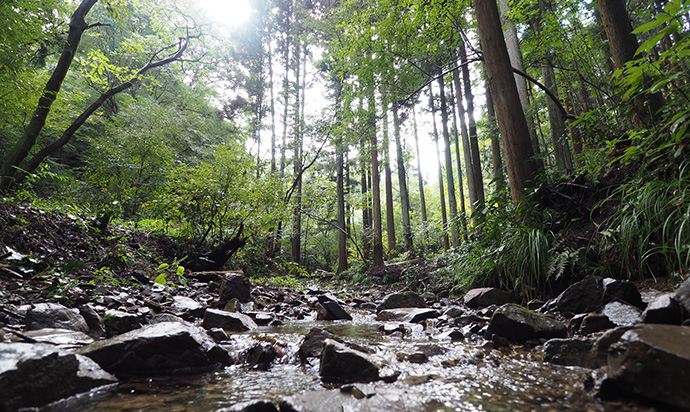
x: 457, y: 376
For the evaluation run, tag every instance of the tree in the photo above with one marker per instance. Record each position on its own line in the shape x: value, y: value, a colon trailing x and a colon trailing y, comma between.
x: 521, y: 165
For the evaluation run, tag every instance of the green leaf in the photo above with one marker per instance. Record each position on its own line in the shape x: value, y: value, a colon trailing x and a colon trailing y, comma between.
x: 658, y: 21
x: 160, y: 279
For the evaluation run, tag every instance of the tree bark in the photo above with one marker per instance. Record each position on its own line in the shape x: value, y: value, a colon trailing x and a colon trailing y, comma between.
x: 444, y: 218
x: 390, y: 215
x: 453, y: 207
x: 499, y: 178
x: 19, y: 152
x: 402, y: 178
x: 477, y: 181
x: 420, y: 178
x: 377, y: 258
x: 296, y: 236
x: 559, y: 136
x: 521, y: 165
x: 458, y: 162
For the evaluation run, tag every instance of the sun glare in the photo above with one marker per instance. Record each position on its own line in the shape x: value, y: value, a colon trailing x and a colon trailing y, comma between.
x: 230, y: 12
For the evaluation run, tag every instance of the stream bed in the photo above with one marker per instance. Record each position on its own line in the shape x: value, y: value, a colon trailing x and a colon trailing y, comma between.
x: 451, y: 376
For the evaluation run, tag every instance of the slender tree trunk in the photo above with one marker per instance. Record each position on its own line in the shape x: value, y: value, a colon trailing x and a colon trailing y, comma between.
x: 340, y: 202
x: 444, y: 218
x: 402, y: 177
x: 456, y: 143
x: 390, y: 215
x: 375, y: 185
x: 273, y: 108
x: 499, y: 178
x: 513, y: 47
x: 420, y: 178
x: 453, y: 208
x: 469, y: 170
x: 478, y: 180
x: 522, y: 168
x: 559, y: 137
x: 296, y: 237
x: 366, y: 208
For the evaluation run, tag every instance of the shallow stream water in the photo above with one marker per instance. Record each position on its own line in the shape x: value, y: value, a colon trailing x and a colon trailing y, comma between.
x: 458, y: 376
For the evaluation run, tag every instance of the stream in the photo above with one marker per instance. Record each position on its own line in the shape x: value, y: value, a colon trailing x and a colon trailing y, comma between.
x: 456, y: 376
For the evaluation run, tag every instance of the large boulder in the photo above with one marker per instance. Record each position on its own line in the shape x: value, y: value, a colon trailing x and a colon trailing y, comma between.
x: 230, y: 321
x: 568, y: 351
x: 234, y: 285
x: 518, y: 324
x: 407, y: 299
x: 344, y: 365
x: 312, y: 345
x: 622, y: 291
x: 482, y: 297
x: 410, y: 315
x: 653, y: 361
x: 118, y: 322
x: 161, y: 348
x: 663, y: 309
x: 54, y: 316
x: 584, y: 296
x: 33, y: 375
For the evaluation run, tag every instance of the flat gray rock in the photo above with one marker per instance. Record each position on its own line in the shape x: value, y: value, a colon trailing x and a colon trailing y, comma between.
x: 55, y: 316
x: 229, y: 321
x: 406, y: 299
x: 410, y: 315
x: 483, y: 297
x: 33, y: 375
x: 518, y: 324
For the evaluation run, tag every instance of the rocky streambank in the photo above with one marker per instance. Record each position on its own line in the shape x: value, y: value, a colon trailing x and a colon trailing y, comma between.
x: 621, y: 344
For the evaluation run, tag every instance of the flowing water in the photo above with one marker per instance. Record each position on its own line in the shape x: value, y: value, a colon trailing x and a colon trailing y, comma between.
x: 458, y: 376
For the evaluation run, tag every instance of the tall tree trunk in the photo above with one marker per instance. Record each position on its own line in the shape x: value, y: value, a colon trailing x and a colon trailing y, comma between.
x: 420, y: 178
x: 499, y: 179
x: 340, y: 202
x: 402, y: 178
x: 469, y: 170
x: 366, y: 208
x: 623, y: 45
x: 456, y: 143
x: 453, y: 208
x: 559, y: 136
x: 478, y: 180
x: 296, y: 237
x: 377, y: 258
x: 522, y: 168
x: 19, y: 152
x: 390, y: 215
x: 513, y: 47
x: 444, y: 217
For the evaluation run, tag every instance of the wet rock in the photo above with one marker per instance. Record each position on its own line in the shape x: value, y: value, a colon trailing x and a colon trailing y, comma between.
x: 56, y: 316
x: 64, y: 338
x: 407, y: 299
x: 518, y: 324
x: 663, y: 309
x: 622, y: 314
x: 569, y: 352
x: 622, y: 291
x: 165, y: 317
x: 581, y: 297
x: 342, y: 364
x: 163, y: 348
x: 218, y: 335
x: 410, y: 315
x: 118, y: 322
x: 417, y: 357
x: 260, y: 356
x: 455, y: 335
x: 331, y: 309
x: 234, y: 285
x: 653, y: 361
x: 186, y: 308
x: 254, y: 406
x: 595, y: 322
x: 683, y: 297
x: 93, y: 320
x: 482, y: 297
x: 535, y: 304
x: 261, y: 318
x: 312, y: 346
x: 229, y: 321
x: 600, y: 350
x: 454, y: 312
x: 33, y: 375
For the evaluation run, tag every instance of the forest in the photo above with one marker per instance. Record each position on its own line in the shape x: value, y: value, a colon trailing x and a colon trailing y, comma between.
x: 524, y: 144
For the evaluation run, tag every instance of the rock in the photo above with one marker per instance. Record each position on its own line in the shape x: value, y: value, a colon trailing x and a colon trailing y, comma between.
x: 518, y: 324
x: 622, y: 291
x: 568, y: 352
x: 162, y: 348
x: 118, y: 322
x: 342, y: 364
x: 186, y: 308
x: 410, y: 315
x: 165, y: 317
x: 454, y: 312
x: 218, y: 335
x: 600, y: 350
x: 663, y: 309
x: 331, y: 309
x: 407, y: 299
x: 261, y: 318
x: 312, y: 346
x: 584, y: 296
x: 55, y: 316
x: 535, y: 304
x: 253, y: 406
x: 93, y: 320
x: 33, y: 375
x: 683, y: 297
x: 455, y: 335
x: 360, y: 398
x: 622, y: 314
x: 653, y: 361
x: 482, y: 297
x: 260, y: 356
x: 229, y: 321
x: 234, y: 285
x: 64, y: 338
x: 595, y: 322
